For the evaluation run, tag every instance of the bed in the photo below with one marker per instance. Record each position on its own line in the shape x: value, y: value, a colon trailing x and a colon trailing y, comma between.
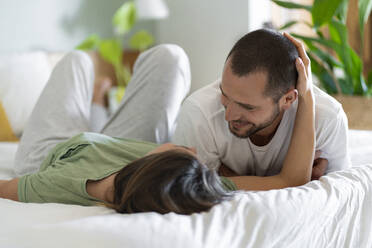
x: 335, y: 211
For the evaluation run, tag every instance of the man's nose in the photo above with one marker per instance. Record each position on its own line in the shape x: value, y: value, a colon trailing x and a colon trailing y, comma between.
x: 232, y: 112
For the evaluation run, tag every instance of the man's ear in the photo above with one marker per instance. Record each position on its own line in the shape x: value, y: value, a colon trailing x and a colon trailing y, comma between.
x: 288, y: 98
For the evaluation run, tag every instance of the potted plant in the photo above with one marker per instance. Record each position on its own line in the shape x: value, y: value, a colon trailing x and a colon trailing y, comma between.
x: 335, y: 64
x: 111, y: 49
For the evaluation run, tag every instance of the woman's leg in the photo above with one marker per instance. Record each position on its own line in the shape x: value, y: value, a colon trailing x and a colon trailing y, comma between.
x: 148, y: 111
x: 62, y: 111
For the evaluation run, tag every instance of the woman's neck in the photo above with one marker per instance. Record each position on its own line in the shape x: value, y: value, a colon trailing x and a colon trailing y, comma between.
x: 102, y: 189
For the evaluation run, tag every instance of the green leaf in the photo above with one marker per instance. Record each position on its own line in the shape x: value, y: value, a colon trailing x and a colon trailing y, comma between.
x: 341, y: 12
x: 119, y: 94
x: 326, y: 80
x: 370, y: 92
x: 124, y: 18
x: 324, y: 10
x: 365, y: 8
x: 290, y: 5
x: 324, y: 56
x: 369, y: 80
x: 320, y: 34
x: 337, y: 33
x: 89, y: 43
x: 288, y: 25
x: 360, y: 86
x: 127, y: 75
x: 327, y: 43
x: 291, y: 23
x: 356, y: 63
x: 141, y: 40
x: 346, y: 86
x: 322, y: 41
x: 353, y: 83
x: 111, y: 51
x: 353, y: 64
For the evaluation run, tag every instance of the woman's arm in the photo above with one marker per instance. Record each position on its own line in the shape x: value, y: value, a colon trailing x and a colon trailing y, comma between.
x: 298, y: 162
x: 9, y: 189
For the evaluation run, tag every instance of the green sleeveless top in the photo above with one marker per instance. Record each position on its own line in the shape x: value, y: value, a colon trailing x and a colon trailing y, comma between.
x: 88, y: 156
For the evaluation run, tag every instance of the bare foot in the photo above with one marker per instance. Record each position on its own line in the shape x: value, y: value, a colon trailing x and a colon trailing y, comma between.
x: 101, y: 87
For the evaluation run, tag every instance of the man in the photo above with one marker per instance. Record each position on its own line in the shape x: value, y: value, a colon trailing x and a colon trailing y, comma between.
x: 244, y: 121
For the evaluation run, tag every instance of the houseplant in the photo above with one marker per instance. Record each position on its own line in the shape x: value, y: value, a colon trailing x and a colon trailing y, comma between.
x: 111, y: 49
x: 336, y: 65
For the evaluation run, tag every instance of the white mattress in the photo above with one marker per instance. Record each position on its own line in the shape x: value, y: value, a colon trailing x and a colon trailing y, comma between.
x: 335, y: 211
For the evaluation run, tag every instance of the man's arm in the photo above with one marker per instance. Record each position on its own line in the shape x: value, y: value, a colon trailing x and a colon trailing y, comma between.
x: 9, y: 189
x: 319, y: 168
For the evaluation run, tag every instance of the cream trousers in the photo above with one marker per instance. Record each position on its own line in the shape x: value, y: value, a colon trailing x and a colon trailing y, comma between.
x: 148, y: 111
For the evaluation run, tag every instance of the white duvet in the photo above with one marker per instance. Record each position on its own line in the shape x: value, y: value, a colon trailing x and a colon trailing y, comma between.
x: 335, y: 211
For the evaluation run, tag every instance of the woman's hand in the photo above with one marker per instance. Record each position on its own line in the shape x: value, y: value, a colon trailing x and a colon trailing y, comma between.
x: 304, y: 83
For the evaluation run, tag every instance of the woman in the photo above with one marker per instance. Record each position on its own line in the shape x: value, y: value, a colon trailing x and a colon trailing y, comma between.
x: 130, y: 175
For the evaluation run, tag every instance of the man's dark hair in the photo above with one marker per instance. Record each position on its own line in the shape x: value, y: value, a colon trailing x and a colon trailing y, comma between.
x: 268, y: 51
x: 166, y: 182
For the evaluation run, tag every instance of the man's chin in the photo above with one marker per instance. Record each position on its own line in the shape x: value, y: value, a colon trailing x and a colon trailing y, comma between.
x: 242, y: 133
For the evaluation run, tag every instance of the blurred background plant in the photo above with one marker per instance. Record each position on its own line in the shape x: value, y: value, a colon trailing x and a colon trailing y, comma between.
x: 111, y: 49
x: 334, y: 62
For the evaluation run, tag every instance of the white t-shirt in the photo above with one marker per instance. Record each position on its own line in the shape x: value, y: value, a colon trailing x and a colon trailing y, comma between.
x: 201, y: 124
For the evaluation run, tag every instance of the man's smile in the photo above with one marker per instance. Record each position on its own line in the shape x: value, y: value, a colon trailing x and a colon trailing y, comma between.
x: 239, y: 124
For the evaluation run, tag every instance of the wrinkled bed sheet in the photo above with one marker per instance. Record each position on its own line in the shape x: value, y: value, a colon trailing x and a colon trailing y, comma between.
x: 335, y: 211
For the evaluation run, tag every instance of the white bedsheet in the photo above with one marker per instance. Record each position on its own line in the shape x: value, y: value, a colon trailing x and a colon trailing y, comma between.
x: 335, y: 211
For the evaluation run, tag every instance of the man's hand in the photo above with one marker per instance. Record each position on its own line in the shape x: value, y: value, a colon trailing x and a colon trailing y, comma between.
x: 320, y: 166
x: 226, y: 171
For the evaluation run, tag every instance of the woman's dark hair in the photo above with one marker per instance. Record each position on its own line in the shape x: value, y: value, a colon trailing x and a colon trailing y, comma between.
x: 170, y: 181
x: 269, y: 51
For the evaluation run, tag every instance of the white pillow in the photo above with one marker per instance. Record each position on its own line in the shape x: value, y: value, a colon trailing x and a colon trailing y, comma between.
x: 22, y: 78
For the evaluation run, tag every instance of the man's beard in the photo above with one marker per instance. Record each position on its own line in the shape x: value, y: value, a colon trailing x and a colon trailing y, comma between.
x: 255, y: 128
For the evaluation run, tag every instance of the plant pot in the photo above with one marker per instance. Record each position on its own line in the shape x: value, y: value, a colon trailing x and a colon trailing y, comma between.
x: 358, y: 110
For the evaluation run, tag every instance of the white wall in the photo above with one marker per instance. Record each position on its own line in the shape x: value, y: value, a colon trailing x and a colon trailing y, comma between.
x: 207, y: 30
x: 259, y: 12
x: 54, y: 25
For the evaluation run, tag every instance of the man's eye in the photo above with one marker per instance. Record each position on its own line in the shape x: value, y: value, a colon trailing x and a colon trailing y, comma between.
x: 247, y: 108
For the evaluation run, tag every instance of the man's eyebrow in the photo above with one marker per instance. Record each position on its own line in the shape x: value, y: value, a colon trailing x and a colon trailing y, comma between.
x: 244, y: 105
x: 223, y: 93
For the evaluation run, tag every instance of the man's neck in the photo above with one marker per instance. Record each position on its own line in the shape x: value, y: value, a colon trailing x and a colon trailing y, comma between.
x: 264, y: 136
